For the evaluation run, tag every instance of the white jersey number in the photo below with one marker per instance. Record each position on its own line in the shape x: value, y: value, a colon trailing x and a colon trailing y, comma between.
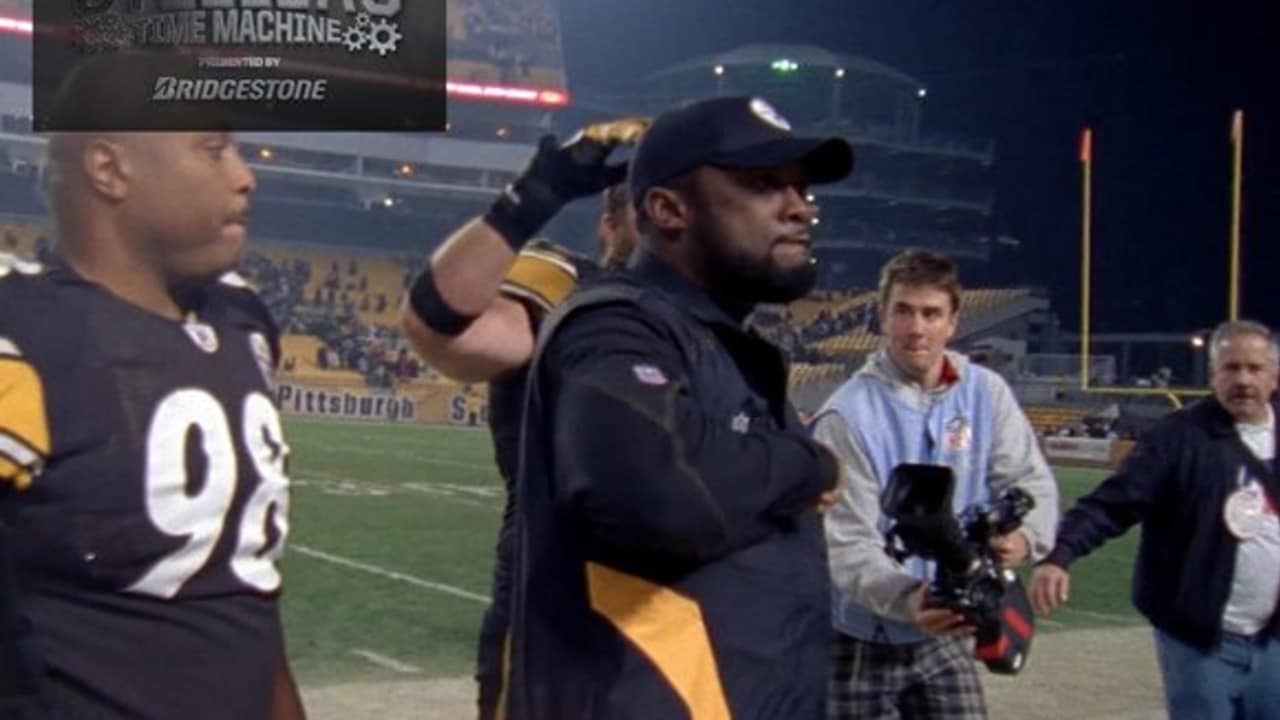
x: 196, y: 508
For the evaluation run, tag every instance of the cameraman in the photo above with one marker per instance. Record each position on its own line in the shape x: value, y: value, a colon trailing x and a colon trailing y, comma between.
x: 895, y: 653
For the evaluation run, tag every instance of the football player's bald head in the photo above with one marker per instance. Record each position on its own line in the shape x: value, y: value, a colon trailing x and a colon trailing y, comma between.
x: 179, y: 199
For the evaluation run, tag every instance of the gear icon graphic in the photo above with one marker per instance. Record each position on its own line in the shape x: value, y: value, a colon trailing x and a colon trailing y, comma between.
x: 363, y: 21
x: 384, y: 37
x: 355, y: 39
x: 102, y: 33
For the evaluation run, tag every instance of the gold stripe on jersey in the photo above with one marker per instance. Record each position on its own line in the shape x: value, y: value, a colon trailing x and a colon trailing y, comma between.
x: 668, y: 628
x: 541, y: 276
x: 24, y: 428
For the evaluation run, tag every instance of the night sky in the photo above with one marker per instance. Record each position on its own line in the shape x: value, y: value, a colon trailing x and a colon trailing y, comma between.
x: 1157, y: 81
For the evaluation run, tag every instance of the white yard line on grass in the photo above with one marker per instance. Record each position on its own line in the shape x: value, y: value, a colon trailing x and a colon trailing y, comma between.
x: 388, y: 574
x: 385, y: 662
x: 485, y: 497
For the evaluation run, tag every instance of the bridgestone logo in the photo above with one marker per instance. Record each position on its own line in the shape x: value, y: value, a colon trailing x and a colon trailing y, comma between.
x: 173, y: 89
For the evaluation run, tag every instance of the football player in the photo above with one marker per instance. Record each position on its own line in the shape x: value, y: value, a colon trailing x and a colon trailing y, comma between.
x: 143, y: 495
x: 475, y: 309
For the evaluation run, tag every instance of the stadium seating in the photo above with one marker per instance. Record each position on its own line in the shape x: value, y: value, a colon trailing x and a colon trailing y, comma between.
x: 357, y: 277
x: 861, y: 340
x: 804, y: 373
x: 975, y: 302
x: 805, y: 310
x: 380, y: 275
x: 20, y: 238
x: 1048, y: 418
x: 375, y: 291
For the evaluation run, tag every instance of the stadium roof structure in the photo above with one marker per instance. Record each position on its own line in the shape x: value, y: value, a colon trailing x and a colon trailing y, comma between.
x: 803, y: 55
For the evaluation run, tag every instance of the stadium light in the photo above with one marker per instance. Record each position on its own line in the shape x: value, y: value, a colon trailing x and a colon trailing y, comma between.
x: 1197, y: 341
x: 503, y: 93
x: 921, y: 93
x: 719, y: 70
x: 785, y: 65
x: 405, y: 170
x: 265, y: 153
x: 388, y: 201
x: 503, y: 132
x: 16, y: 25
x: 839, y: 73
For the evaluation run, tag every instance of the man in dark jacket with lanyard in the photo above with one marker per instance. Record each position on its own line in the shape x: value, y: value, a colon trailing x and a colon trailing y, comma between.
x: 670, y: 560
x: 1204, y: 485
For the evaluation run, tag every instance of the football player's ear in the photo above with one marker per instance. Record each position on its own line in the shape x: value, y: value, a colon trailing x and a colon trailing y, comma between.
x: 108, y: 162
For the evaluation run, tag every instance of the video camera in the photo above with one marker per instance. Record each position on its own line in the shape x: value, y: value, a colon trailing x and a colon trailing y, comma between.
x: 969, y: 580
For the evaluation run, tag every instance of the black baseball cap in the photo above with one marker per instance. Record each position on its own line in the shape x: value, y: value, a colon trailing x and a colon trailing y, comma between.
x: 730, y: 132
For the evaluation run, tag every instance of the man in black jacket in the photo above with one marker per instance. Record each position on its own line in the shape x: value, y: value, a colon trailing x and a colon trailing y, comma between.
x: 670, y: 559
x: 1203, y: 483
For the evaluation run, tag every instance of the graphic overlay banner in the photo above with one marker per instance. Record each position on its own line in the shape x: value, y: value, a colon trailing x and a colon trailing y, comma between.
x: 505, y: 43
x: 309, y: 65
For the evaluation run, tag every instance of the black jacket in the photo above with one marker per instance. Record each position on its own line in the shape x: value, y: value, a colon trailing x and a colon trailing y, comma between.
x: 670, y: 560
x: 1176, y: 483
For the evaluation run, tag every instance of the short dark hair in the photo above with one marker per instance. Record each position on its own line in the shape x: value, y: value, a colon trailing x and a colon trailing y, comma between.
x: 683, y: 184
x: 918, y: 267
x: 616, y: 198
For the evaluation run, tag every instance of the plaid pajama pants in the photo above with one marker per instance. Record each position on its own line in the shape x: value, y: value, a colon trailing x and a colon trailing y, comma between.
x: 933, y: 680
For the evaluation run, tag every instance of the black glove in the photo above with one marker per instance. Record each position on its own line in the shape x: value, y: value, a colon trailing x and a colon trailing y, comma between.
x: 556, y: 175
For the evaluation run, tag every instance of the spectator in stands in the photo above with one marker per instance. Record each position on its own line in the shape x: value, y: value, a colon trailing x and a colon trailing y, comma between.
x: 322, y: 357
x: 1204, y: 483
x: 897, y: 654
x: 502, y: 286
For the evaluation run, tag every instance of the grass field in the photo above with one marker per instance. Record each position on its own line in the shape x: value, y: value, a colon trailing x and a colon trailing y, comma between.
x: 392, y: 544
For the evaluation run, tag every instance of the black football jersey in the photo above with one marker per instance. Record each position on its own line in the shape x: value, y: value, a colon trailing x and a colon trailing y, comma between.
x: 143, y: 498
x: 541, y: 277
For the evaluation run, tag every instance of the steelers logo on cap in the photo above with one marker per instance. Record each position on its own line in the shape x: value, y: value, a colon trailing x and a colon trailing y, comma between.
x: 765, y: 112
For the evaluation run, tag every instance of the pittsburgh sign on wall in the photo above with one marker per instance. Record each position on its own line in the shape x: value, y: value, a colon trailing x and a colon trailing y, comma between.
x: 360, y: 65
